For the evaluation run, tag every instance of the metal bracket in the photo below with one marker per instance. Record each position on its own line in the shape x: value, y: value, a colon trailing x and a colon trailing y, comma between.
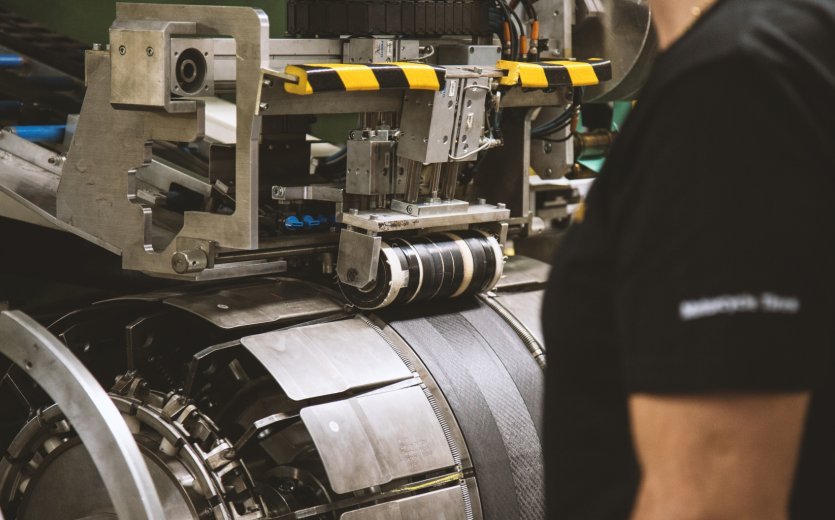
x: 359, y: 253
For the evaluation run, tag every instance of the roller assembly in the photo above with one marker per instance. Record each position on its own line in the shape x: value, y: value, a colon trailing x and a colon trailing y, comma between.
x: 427, y: 267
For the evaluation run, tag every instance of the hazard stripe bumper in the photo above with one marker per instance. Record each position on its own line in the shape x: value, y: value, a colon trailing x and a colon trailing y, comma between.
x: 550, y: 74
x: 348, y: 77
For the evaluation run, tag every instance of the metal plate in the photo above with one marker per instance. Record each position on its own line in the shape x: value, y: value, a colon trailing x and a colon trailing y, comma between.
x: 444, y: 504
x: 521, y: 271
x: 370, y: 440
x: 278, y: 301
x: 326, y: 359
x: 382, y: 220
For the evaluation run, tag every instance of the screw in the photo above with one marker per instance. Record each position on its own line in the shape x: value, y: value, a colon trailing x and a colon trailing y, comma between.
x: 223, y: 306
x: 501, y: 205
x: 122, y: 50
x: 97, y: 46
x: 547, y: 147
x: 264, y: 106
x: 268, y: 82
x: 482, y: 201
x: 352, y: 274
x: 373, y: 217
x: 149, y: 51
x: 549, y: 172
x: 353, y: 211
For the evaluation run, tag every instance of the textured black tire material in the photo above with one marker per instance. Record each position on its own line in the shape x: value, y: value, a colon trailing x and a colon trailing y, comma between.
x: 495, y: 389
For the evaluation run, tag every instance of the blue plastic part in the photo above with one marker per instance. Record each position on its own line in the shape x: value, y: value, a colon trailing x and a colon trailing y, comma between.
x: 43, y: 133
x: 10, y: 106
x: 11, y: 61
x: 292, y: 223
x: 310, y: 222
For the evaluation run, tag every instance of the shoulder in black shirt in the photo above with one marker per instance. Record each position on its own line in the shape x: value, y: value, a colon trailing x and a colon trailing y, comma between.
x: 706, y: 259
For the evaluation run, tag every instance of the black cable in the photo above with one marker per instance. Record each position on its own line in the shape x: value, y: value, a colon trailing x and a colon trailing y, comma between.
x: 529, y: 9
x: 562, y: 120
x: 514, y: 33
x: 560, y: 140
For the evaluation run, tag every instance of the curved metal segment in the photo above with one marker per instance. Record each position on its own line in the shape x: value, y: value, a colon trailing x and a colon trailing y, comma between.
x: 89, y: 409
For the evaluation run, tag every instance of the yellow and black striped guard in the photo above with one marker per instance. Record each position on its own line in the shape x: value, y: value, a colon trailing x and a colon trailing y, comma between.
x: 562, y: 73
x: 347, y: 77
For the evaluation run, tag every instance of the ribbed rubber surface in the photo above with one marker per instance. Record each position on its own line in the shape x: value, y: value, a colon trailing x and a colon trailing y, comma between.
x: 495, y: 390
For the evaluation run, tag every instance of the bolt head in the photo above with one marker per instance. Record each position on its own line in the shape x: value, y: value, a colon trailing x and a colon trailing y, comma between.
x: 149, y: 51
x: 122, y: 50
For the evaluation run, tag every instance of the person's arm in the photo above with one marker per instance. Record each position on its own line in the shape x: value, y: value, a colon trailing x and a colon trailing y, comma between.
x: 716, y: 457
x: 724, y: 297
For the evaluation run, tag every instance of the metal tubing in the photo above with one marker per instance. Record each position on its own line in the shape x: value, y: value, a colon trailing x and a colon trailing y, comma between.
x: 90, y: 411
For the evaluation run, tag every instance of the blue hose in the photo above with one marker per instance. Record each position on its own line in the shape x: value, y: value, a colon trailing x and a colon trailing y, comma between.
x: 11, y: 61
x: 43, y: 133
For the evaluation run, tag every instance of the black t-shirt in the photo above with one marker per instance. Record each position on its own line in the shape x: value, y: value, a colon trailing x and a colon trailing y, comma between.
x: 706, y: 258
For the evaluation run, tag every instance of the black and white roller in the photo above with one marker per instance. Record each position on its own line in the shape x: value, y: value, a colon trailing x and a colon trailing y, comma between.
x: 429, y: 267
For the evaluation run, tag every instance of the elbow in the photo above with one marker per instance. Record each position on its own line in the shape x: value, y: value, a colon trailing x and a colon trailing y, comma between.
x: 695, y: 501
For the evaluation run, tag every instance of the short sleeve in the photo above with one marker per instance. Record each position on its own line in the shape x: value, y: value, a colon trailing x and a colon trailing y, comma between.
x: 725, y: 259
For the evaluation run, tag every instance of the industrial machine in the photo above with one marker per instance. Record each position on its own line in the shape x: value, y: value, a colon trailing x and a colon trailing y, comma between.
x: 329, y: 330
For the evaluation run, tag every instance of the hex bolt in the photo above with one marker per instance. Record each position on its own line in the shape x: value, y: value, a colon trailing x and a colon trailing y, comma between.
x: 482, y: 202
x: 98, y: 46
x: 354, y: 211
x: 149, y: 51
x: 501, y: 205
x: 264, y: 106
x: 122, y: 50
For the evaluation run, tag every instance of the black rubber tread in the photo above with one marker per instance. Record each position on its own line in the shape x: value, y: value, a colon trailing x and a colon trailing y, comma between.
x: 485, y: 373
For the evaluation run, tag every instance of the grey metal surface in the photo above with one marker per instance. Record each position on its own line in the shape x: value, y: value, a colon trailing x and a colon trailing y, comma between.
x: 427, y: 123
x: 379, y: 50
x: 622, y: 33
x: 520, y: 271
x: 313, y: 192
x: 276, y: 301
x: 89, y: 409
x: 422, y: 209
x: 358, y: 256
x: 370, y: 440
x: 110, y: 143
x: 443, y: 504
x: 140, y: 54
x: 484, y: 55
x: 328, y: 358
x: 371, y: 163
x: 380, y: 220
